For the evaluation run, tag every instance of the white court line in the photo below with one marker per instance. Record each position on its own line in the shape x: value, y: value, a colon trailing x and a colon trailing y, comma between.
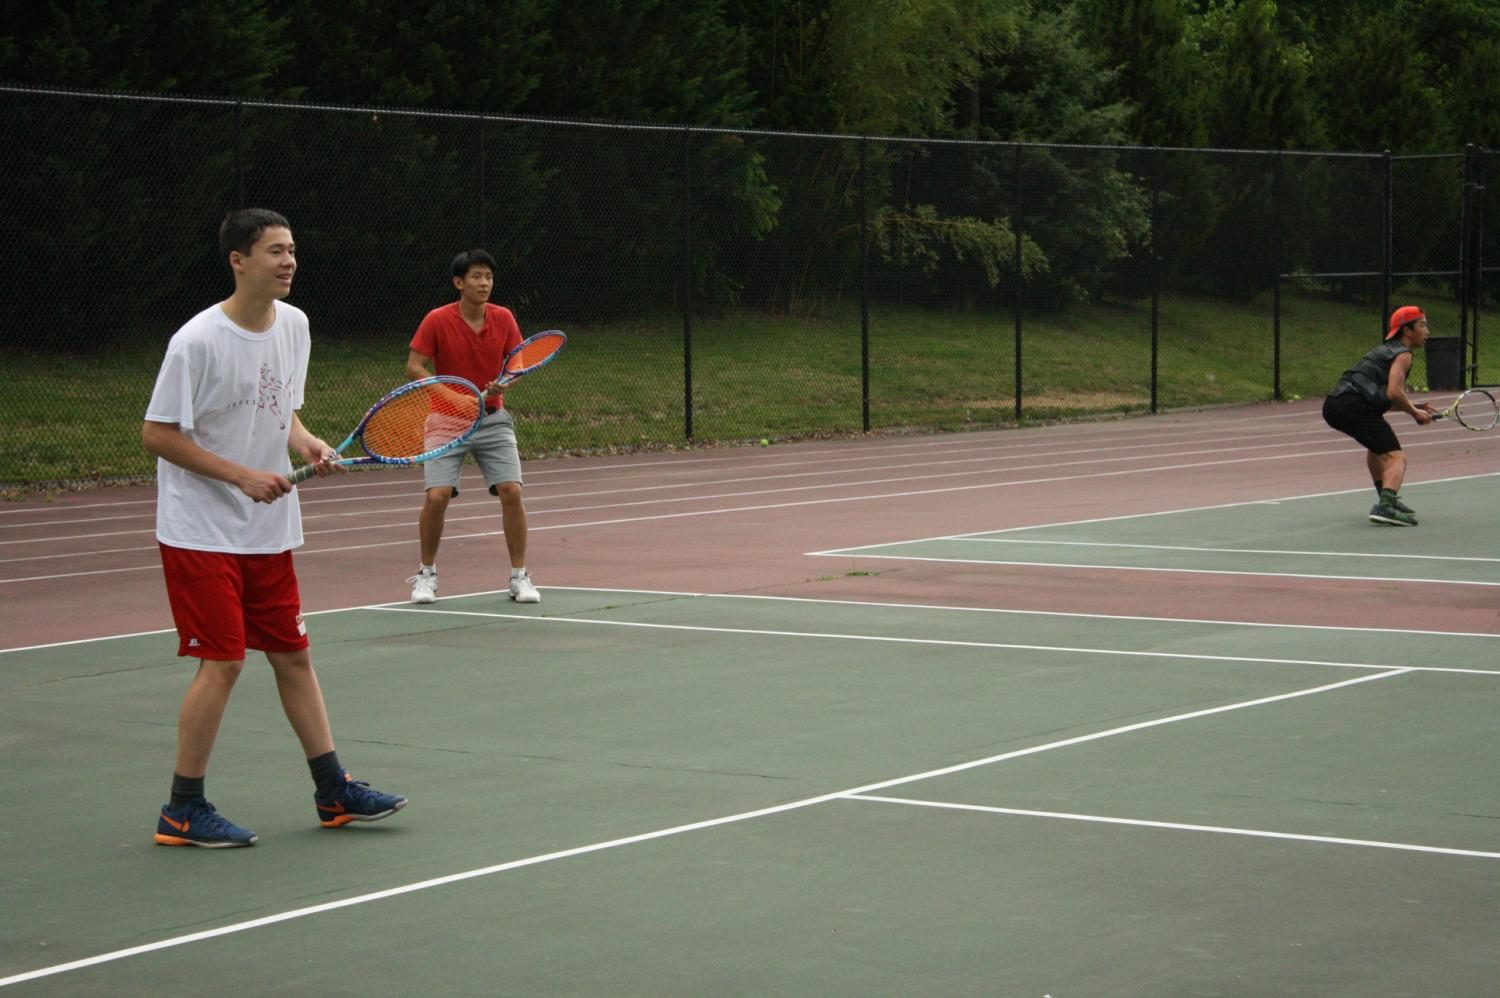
x: 1138, y: 516
x: 884, y: 604
x: 858, y: 450
x: 1176, y: 826
x: 990, y: 452
x: 1208, y: 550
x: 540, y: 507
x: 1105, y: 567
x: 173, y: 630
x: 485, y: 871
x: 843, y: 552
x: 865, y: 450
x: 618, y: 521
x: 929, y: 642
x: 1231, y: 505
x: 986, y: 454
x: 875, y: 604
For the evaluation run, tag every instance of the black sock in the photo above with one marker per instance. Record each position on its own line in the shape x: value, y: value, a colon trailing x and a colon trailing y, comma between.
x: 326, y: 772
x: 185, y: 788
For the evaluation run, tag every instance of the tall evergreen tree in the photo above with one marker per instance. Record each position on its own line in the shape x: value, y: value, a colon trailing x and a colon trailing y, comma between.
x: 1151, y: 44
x: 644, y: 60
x: 455, y: 55
x: 223, y: 48
x: 1377, y: 89
x: 1259, y: 93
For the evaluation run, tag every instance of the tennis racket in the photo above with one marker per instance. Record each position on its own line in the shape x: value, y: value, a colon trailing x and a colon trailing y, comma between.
x: 415, y: 423
x: 1475, y: 409
x: 533, y: 352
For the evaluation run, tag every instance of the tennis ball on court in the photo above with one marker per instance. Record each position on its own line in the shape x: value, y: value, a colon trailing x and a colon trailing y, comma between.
x: 764, y: 442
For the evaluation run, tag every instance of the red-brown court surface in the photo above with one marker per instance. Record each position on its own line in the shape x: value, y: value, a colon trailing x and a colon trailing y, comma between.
x: 744, y: 520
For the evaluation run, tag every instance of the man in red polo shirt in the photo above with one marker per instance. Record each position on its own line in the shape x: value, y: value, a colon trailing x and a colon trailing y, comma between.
x: 470, y: 338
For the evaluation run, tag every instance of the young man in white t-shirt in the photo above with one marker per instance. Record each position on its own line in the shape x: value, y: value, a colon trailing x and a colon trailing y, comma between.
x: 220, y: 422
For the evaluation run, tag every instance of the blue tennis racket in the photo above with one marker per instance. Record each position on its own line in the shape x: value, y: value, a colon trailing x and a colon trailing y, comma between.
x: 417, y: 422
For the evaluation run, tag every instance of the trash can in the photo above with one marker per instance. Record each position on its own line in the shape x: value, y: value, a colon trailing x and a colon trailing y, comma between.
x: 1444, y: 364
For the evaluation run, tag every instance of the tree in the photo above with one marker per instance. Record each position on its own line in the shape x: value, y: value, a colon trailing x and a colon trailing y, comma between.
x: 1461, y: 38
x: 1159, y: 69
x: 1082, y: 211
x: 1375, y: 85
x: 643, y: 60
x: 1258, y: 81
x: 440, y: 55
x: 881, y: 67
x: 220, y: 48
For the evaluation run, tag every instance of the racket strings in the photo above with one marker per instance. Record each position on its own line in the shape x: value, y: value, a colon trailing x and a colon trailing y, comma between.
x: 533, y: 353
x: 1477, y: 409
x: 420, y: 421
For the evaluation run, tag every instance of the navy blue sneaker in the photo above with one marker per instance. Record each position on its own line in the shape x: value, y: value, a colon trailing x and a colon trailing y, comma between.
x: 355, y: 801
x: 198, y: 823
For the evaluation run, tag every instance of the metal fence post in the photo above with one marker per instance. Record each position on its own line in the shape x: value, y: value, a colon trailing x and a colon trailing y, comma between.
x: 1276, y: 222
x: 1388, y: 243
x: 484, y: 197
x: 1155, y: 293
x: 864, y: 293
x: 1015, y: 216
x: 239, y: 155
x: 687, y: 285
x: 1479, y: 191
x: 1465, y: 255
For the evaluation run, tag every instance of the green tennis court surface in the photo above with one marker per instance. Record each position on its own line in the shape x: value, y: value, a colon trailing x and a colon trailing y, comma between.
x: 655, y: 793
x: 1325, y: 536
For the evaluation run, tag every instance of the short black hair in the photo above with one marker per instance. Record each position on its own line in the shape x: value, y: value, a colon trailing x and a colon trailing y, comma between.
x: 472, y: 258
x: 242, y: 228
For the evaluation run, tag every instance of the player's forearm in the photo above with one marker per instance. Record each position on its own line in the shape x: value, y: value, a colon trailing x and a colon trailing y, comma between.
x: 1399, y: 400
x: 309, y: 445
x: 168, y: 442
x: 299, y: 439
x: 418, y: 366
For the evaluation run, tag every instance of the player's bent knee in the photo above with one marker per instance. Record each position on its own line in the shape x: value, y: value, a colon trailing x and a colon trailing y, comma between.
x: 300, y: 659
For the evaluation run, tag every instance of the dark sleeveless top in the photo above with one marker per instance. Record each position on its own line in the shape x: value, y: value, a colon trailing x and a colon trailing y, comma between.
x: 1371, y: 374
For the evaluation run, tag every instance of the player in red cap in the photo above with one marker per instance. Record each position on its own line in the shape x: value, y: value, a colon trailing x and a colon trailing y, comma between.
x: 1358, y: 403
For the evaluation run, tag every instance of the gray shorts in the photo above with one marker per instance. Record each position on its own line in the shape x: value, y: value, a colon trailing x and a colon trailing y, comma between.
x: 494, y: 448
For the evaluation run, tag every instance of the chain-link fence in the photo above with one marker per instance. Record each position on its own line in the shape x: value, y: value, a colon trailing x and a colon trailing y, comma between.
x: 716, y: 285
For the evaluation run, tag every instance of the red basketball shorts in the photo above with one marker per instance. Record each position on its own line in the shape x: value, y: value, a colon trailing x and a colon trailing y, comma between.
x: 225, y: 603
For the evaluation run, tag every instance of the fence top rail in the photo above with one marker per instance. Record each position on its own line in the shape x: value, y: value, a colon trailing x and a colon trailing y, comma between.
x: 229, y: 102
x: 1304, y: 275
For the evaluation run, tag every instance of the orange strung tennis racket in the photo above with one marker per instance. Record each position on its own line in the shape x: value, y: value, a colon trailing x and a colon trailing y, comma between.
x: 417, y: 422
x: 534, y: 352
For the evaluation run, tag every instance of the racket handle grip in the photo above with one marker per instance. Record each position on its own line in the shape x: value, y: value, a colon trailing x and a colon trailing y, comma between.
x: 303, y: 473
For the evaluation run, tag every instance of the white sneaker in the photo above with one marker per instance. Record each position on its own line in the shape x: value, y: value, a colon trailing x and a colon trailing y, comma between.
x: 522, y: 591
x: 423, y: 587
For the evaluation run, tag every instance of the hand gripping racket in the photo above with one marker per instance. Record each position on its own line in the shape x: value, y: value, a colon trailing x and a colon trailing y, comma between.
x: 415, y: 423
x: 533, y: 352
x: 1475, y: 409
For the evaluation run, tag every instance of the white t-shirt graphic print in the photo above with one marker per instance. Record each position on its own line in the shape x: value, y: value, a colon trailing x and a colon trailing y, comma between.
x: 231, y: 392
